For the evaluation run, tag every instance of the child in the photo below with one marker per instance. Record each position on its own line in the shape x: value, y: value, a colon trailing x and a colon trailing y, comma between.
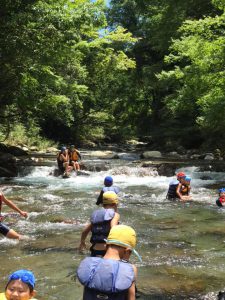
x: 63, y: 162
x: 108, y: 182
x: 172, y: 194
x: 74, y: 156
x: 10, y: 233
x: 111, y: 277
x: 221, y: 201
x: 20, y: 286
x: 102, y: 220
x: 183, y: 189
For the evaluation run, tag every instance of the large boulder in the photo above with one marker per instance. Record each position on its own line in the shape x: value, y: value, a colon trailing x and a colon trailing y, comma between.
x: 17, y: 151
x: 102, y: 154
x: 8, y: 167
x: 151, y: 154
x: 167, y: 169
x: 95, y: 167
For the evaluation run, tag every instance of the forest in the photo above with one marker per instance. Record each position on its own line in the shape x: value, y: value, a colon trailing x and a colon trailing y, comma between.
x: 78, y: 70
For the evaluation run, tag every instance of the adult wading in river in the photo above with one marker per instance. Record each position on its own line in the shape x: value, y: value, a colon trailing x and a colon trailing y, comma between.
x: 5, y: 230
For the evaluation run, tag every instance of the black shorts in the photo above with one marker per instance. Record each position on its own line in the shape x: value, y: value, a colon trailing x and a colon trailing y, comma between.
x: 4, y: 229
x: 97, y: 253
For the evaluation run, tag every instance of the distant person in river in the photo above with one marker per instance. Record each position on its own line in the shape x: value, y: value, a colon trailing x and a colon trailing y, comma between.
x: 108, y: 186
x: 179, y: 188
x: 111, y: 277
x: 20, y: 286
x: 102, y: 220
x: 63, y: 161
x: 74, y: 156
x: 5, y: 230
x: 221, y: 200
x: 184, y: 188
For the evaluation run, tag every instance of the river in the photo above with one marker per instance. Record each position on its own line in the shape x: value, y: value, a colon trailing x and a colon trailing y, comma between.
x: 182, y: 245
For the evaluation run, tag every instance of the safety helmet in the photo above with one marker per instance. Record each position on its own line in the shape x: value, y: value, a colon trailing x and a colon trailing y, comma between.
x: 187, y: 178
x: 181, y: 175
x: 108, y: 181
x: 63, y: 149
x: 222, y: 190
x: 23, y: 275
x: 110, y: 197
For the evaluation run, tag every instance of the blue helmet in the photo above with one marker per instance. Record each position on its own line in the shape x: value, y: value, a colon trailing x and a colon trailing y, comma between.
x: 222, y: 190
x: 63, y: 149
x: 108, y: 181
x: 187, y: 178
x: 24, y: 275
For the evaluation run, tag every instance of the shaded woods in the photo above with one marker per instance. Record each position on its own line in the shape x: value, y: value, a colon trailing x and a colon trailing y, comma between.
x: 79, y: 70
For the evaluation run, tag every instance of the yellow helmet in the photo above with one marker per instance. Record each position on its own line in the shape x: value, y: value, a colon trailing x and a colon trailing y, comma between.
x: 123, y: 236
x: 110, y: 198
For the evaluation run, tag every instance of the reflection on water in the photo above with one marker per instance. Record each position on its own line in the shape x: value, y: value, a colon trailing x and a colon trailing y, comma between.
x: 182, y: 245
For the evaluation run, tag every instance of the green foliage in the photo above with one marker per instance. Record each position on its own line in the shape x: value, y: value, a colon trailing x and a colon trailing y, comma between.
x: 72, y: 70
x: 30, y: 136
x: 198, y: 84
x: 56, y: 64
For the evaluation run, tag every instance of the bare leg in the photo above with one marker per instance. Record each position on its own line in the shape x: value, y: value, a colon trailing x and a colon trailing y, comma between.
x: 13, y: 235
x: 77, y: 166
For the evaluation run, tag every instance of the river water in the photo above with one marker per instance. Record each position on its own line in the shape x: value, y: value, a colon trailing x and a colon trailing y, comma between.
x: 182, y: 245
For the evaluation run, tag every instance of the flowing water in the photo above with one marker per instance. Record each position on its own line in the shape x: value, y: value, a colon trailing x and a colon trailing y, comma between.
x: 182, y: 245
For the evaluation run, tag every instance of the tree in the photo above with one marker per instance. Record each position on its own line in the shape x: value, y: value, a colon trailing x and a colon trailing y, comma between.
x: 56, y: 65
x: 196, y: 79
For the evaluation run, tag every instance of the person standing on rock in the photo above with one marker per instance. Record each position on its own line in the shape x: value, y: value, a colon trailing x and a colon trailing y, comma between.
x: 5, y: 230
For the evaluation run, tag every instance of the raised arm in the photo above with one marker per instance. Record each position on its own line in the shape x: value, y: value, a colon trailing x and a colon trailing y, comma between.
x: 10, y: 204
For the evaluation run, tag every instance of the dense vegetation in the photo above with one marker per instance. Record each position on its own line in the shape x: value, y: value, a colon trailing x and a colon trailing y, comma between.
x: 76, y: 70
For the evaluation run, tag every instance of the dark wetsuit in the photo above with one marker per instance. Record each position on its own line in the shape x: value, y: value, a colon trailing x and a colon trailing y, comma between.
x: 3, y: 228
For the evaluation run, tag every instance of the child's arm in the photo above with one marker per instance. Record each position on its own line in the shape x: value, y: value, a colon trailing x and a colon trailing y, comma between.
x: 78, y: 153
x: 115, y: 220
x: 13, y: 206
x: 84, y: 234
x: 131, y: 291
x: 178, y: 193
x: 100, y: 198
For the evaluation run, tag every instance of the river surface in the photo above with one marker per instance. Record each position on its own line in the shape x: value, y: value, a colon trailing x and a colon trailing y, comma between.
x: 182, y: 245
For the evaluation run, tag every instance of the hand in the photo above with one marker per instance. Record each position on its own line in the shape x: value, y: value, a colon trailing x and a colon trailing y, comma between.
x: 24, y: 214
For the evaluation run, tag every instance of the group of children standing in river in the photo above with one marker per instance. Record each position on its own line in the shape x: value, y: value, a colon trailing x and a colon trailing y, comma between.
x: 107, y: 273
